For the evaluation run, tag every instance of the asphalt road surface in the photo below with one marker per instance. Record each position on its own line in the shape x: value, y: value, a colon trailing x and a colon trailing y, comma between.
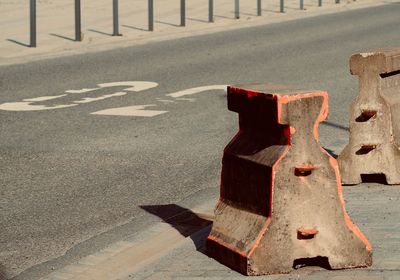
x: 79, y: 155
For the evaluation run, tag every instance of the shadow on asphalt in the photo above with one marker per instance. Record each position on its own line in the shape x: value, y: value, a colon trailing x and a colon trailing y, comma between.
x: 332, y: 124
x: 62, y: 37
x: 18, y: 43
x: 100, y: 32
x: 196, y: 19
x: 3, y: 275
x: 185, y: 221
x: 217, y: 16
x: 134, y: 27
x: 167, y: 23
x: 332, y: 153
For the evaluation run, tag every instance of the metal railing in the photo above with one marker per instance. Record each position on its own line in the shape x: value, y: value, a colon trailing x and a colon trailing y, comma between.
x: 150, y: 7
x: 32, y: 8
x: 78, y: 33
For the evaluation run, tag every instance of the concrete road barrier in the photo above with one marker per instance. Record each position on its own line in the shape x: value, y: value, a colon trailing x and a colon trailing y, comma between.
x: 374, y: 143
x: 281, y: 204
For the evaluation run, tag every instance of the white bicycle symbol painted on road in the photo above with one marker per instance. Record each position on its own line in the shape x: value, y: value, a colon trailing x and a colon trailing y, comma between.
x: 30, y: 104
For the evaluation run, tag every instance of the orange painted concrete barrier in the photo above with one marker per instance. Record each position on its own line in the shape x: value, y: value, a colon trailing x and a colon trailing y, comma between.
x: 374, y: 143
x: 281, y: 203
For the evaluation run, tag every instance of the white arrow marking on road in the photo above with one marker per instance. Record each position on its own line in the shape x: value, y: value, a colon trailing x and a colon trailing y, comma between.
x: 43, y: 98
x: 81, y: 90
x: 187, y: 99
x: 93, y: 99
x: 195, y: 90
x: 27, y: 106
x: 133, y: 111
x: 139, y: 110
x: 165, y: 100
x: 133, y: 86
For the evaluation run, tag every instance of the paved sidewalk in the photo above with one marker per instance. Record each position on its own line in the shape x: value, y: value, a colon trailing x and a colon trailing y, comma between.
x: 55, y: 23
x: 373, y: 207
x: 174, y: 248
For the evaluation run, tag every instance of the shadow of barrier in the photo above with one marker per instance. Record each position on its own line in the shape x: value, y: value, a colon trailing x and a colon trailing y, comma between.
x: 184, y: 220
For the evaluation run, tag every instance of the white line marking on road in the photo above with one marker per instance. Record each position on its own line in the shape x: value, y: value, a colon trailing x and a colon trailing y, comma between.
x: 165, y: 100
x: 135, y: 86
x: 187, y: 99
x: 27, y: 106
x: 195, y: 90
x: 134, y: 111
x: 81, y: 90
x: 43, y: 98
x: 132, y: 85
x: 93, y: 99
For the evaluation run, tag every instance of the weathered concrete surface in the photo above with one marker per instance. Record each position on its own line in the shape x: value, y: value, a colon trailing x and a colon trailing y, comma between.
x: 373, y: 207
x: 281, y: 203
x: 374, y: 119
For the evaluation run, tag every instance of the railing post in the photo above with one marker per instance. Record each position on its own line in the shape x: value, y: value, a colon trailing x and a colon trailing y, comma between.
x: 183, y: 10
x: 151, y: 15
x: 210, y: 10
x: 319, y: 3
x: 115, y: 19
x: 32, y: 8
x: 78, y: 32
x: 237, y: 13
x: 337, y: 1
x: 259, y: 8
x: 282, y: 6
x: 301, y: 4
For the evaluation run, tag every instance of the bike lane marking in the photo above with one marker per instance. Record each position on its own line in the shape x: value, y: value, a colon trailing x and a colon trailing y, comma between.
x: 195, y: 90
x: 29, y: 104
x: 139, y: 110
x: 132, y: 86
x: 93, y: 99
x: 131, y: 111
x: 44, y: 98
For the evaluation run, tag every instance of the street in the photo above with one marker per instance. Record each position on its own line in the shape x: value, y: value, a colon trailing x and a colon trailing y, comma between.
x: 88, y: 140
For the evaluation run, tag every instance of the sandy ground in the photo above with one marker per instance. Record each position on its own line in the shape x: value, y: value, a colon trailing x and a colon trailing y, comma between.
x: 56, y: 29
